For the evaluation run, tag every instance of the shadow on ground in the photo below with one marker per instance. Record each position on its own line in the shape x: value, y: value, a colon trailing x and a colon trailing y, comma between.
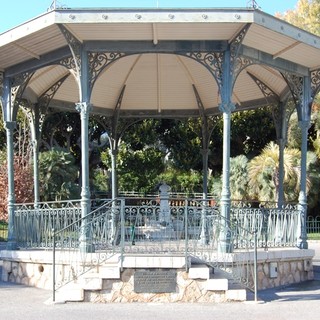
x: 307, y: 290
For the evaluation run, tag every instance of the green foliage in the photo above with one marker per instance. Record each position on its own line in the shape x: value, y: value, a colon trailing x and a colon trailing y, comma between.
x: 23, y: 183
x: 239, y: 177
x: 294, y: 132
x: 251, y: 131
x: 215, y: 185
x: 137, y: 170
x: 2, y: 130
x: 188, y: 182
x: 182, y: 139
x: 305, y: 15
x: 101, y: 181
x: 264, y: 173
x: 313, y: 169
x: 58, y: 175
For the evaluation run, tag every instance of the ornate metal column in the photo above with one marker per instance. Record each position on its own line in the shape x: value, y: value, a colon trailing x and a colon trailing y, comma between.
x: 226, y: 107
x: 84, y: 109
x: 10, y: 126
x: 281, y: 116
x: 301, y: 90
x: 304, y: 123
x: 80, y: 66
x: 114, y: 191
x: 35, y: 135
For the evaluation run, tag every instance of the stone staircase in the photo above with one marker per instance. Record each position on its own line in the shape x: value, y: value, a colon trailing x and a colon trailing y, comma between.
x: 107, y: 283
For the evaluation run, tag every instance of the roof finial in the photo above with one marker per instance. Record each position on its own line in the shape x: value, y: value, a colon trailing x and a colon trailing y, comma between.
x: 253, y: 4
x: 56, y: 5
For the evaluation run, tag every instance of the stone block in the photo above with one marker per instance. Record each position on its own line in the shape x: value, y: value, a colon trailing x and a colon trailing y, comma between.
x: 109, y: 272
x: 236, y: 295
x: 199, y: 272
x: 217, y: 284
x: 92, y: 282
x: 70, y: 294
x: 154, y: 262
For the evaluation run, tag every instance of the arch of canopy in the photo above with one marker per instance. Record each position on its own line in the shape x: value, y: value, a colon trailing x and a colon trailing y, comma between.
x: 135, y: 64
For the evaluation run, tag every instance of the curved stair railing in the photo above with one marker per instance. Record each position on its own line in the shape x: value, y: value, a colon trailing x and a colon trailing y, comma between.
x: 115, y: 229
x: 87, y: 242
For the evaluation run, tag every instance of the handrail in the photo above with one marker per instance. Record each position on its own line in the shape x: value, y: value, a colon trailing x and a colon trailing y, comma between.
x: 194, y: 221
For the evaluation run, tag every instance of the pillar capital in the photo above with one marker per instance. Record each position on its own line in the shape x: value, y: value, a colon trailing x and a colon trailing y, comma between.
x: 10, y: 125
x: 204, y: 151
x: 304, y: 124
x: 83, y: 107
x: 227, y: 107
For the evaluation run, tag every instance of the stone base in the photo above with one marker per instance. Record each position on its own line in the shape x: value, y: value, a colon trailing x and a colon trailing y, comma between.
x: 108, y: 283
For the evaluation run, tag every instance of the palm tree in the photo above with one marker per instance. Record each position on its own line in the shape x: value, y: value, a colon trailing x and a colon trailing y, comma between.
x: 239, y: 177
x: 263, y: 173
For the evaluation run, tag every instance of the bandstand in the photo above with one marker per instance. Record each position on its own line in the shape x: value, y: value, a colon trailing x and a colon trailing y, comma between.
x: 132, y: 64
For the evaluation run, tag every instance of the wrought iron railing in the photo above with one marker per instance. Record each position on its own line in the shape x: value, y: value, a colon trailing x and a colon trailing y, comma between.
x: 34, y: 223
x: 275, y: 227
x: 116, y: 230
x: 87, y: 242
x: 313, y: 225
x: 196, y: 230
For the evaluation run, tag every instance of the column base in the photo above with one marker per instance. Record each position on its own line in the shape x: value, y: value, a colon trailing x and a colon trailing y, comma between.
x: 86, y: 247
x: 11, y: 245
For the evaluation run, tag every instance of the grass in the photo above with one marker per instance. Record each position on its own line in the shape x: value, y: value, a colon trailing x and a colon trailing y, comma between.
x: 3, y: 231
x: 314, y: 236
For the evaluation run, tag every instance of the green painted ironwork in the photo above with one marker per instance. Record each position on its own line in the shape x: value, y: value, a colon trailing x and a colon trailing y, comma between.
x: 116, y: 229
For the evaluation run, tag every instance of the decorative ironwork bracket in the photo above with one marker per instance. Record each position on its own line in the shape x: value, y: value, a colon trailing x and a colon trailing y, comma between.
x: 315, y: 82
x: 18, y: 85
x: 238, y: 62
x: 98, y: 61
x: 74, y: 62
x: 295, y: 84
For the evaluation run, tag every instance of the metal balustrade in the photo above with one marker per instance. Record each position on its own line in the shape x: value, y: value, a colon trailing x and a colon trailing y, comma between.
x: 34, y: 223
x: 87, y: 242
x: 313, y: 225
x: 196, y: 230
x: 275, y: 227
x: 115, y: 230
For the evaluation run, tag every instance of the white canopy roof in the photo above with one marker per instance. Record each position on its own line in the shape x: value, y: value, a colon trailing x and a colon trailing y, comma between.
x: 157, y: 80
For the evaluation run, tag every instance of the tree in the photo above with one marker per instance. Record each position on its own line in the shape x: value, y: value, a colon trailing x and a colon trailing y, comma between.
x: 2, y: 130
x: 23, y: 180
x: 188, y: 182
x: 305, y: 15
x: 239, y: 177
x: 264, y: 174
x: 23, y: 183
x: 58, y: 175
x: 137, y: 170
x: 251, y: 131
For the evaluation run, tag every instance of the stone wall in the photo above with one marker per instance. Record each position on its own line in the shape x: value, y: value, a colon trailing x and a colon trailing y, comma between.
x: 275, y: 274
x: 275, y: 268
x: 122, y: 290
x: 28, y: 273
x: 280, y: 267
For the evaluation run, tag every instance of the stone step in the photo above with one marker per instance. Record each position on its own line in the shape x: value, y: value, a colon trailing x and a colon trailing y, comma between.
x: 71, y: 292
x: 200, y: 271
x: 236, y: 295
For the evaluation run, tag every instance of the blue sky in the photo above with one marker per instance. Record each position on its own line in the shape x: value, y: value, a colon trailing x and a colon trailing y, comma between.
x: 15, y: 12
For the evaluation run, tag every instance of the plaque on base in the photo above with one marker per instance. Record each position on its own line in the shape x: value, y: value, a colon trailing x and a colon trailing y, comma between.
x: 155, y: 281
